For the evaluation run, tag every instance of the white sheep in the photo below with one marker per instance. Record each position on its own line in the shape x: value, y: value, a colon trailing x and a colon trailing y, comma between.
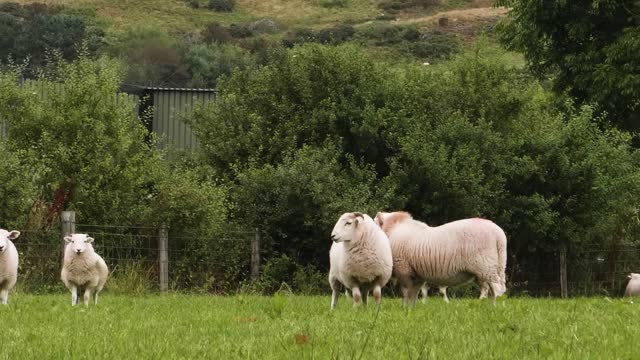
x: 633, y: 287
x: 447, y: 255
x: 8, y: 263
x: 83, y: 268
x: 360, y: 258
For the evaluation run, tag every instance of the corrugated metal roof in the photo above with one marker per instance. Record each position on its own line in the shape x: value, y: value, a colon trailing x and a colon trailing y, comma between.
x: 130, y: 87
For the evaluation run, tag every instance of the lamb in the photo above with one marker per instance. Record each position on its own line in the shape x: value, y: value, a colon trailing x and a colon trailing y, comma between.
x: 82, y: 268
x: 360, y: 258
x: 447, y: 255
x: 633, y: 287
x: 8, y: 263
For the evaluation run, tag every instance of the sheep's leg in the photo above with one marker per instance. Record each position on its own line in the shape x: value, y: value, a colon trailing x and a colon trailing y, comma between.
x: 484, y: 290
x: 74, y: 295
x: 87, y: 297
x: 355, y: 292
x: 95, y: 298
x: 4, y: 294
x: 412, y: 294
x: 405, y: 295
x: 377, y: 294
x: 425, y: 293
x: 334, y: 298
x: 494, y: 292
x: 443, y: 291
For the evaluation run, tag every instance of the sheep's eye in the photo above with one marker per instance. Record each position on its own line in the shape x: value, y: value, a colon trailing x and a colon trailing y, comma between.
x: 348, y: 222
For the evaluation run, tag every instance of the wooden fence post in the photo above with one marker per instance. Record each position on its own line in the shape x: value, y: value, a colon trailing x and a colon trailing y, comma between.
x: 255, y: 256
x: 68, y: 222
x: 163, y: 257
x: 564, y: 293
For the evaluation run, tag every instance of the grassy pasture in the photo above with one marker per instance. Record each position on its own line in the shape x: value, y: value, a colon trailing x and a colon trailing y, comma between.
x: 195, y: 326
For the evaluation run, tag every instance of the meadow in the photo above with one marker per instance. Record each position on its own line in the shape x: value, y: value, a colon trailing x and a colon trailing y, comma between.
x: 178, y: 326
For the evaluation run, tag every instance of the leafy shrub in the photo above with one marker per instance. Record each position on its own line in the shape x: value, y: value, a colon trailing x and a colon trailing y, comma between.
x: 240, y: 31
x: 394, y: 6
x: 216, y: 33
x: 209, y: 62
x: 308, y: 280
x: 276, y: 270
x: 195, y: 4
x: 333, y: 36
x: 264, y: 26
x: 29, y: 31
x: 333, y: 3
x: 222, y: 5
x: 435, y: 46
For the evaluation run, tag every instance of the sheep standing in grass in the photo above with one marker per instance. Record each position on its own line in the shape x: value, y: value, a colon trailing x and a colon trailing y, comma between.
x: 8, y: 263
x: 82, y: 268
x: 360, y: 258
x: 633, y: 287
x: 447, y: 255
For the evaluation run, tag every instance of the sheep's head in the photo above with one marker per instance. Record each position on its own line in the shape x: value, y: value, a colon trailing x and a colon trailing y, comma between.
x: 78, y: 242
x: 348, y: 227
x: 634, y: 276
x: 386, y: 220
x: 5, y: 237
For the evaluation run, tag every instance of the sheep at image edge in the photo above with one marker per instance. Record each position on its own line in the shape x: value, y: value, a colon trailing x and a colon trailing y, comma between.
x: 83, y: 268
x: 360, y: 258
x: 8, y: 263
x: 633, y: 287
x: 452, y: 254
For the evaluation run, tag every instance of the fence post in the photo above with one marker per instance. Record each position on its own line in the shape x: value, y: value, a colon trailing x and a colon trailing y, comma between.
x: 68, y: 222
x: 255, y: 256
x: 563, y: 271
x: 163, y: 257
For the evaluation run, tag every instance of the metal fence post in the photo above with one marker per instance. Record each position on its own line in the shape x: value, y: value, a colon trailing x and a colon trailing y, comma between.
x: 163, y: 257
x: 255, y: 256
x: 68, y: 222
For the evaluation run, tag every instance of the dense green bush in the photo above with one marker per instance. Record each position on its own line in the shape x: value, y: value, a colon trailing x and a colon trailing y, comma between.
x: 216, y: 33
x: 207, y: 63
x: 222, y: 5
x: 332, y: 36
x: 30, y: 31
x: 323, y: 130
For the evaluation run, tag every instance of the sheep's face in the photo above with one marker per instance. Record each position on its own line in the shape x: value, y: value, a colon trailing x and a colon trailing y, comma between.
x: 634, y: 276
x: 78, y: 242
x: 5, y: 236
x: 347, y: 227
x: 380, y: 218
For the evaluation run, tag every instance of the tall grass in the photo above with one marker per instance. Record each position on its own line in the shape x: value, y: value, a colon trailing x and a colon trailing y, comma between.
x: 183, y: 326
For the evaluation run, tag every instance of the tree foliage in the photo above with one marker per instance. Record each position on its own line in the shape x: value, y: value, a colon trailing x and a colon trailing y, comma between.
x: 588, y: 47
x: 324, y: 130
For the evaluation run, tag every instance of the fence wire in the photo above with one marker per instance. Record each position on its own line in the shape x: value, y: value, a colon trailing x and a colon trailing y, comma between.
x: 131, y: 253
x: 221, y: 264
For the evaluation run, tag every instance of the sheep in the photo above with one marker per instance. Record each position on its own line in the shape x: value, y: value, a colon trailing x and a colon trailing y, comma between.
x: 8, y: 263
x: 447, y: 255
x: 633, y: 287
x: 360, y: 258
x: 83, y: 268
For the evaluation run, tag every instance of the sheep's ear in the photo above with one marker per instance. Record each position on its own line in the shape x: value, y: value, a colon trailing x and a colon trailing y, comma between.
x: 67, y: 239
x: 88, y: 240
x: 379, y: 218
x: 629, y: 276
x: 14, y: 235
x: 358, y: 218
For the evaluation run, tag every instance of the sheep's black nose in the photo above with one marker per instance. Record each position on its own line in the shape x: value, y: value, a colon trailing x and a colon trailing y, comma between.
x: 333, y: 237
x: 1, y: 248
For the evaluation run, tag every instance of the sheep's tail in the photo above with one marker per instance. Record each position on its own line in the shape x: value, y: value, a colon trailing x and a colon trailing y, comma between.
x: 501, y: 245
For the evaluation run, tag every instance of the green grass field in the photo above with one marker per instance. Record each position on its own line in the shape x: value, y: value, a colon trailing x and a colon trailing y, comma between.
x: 297, y: 327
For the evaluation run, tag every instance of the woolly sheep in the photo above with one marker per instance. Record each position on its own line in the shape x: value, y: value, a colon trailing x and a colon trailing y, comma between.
x: 633, y: 287
x: 8, y: 263
x: 447, y: 255
x: 360, y: 258
x: 83, y: 268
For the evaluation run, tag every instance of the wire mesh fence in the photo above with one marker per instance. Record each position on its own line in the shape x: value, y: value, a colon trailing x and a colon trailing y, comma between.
x: 223, y: 263
x: 132, y: 255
